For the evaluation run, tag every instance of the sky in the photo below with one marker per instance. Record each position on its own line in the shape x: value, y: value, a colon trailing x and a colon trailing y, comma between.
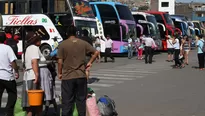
x: 190, y: 1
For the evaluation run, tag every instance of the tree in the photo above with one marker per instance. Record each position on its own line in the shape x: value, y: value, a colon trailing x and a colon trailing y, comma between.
x: 143, y: 7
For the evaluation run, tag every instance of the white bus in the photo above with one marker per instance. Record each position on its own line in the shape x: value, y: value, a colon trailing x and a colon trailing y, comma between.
x: 1, y: 22
x: 40, y: 23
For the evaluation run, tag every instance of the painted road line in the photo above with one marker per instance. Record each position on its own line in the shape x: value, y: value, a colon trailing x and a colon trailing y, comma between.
x: 114, y: 78
x: 114, y: 75
x: 128, y: 71
x: 120, y: 73
x: 58, y: 82
x: 109, y: 81
x: 100, y: 85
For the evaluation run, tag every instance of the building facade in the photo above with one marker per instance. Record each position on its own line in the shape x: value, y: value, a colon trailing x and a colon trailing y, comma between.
x: 163, y: 6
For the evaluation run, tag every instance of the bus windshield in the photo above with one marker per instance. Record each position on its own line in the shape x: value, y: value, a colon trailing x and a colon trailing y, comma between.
x: 153, y: 21
x: 197, y: 25
x: 168, y: 19
x: 82, y: 9
x: 132, y: 31
x: 90, y: 26
x: 202, y: 25
x: 124, y: 12
x: 61, y: 22
x: 178, y: 25
x: 110, y: 21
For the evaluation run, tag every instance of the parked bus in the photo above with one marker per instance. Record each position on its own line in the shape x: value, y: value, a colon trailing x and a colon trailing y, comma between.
x: 182, y: 25
x: 165, y: 19
x: 200, y: 26
x: 62, y: 14
x: 150, y: 26
x: 116, y: 20
x: 190, y: 25
x: 1, y: 22
x: 39, y: 23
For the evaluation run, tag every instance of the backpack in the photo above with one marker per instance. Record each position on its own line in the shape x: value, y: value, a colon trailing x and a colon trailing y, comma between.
x: 106, y: 106
x: 13, y: 44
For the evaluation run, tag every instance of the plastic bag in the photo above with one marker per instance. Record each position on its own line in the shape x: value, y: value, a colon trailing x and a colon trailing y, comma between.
x: 91, y: 104
x: 18, y: 111
x: 75, y: 111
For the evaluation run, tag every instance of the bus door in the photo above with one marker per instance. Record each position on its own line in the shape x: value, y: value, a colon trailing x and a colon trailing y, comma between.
x: 124, y: 39
x: 1, y: 22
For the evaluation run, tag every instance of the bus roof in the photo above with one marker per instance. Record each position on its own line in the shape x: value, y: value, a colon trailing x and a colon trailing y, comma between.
x: 176, y: 18
x: 195, y: 21
x: 110, y: 3
x: 142, y: 13
x: 155, y: 12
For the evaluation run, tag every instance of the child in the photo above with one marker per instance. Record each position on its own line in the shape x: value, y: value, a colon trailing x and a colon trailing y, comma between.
x: 140, y: 50
x: 55, y: 47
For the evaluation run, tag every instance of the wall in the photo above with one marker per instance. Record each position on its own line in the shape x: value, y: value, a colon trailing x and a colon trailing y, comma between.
x: 170, y: 8
x: 184, y: 9
x: 154, y: 5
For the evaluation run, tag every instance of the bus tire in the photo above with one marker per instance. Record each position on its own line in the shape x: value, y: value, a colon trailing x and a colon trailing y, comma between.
x: 46, y: 50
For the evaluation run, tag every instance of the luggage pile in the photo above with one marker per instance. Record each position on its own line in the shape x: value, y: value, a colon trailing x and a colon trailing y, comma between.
x: 104, y: 106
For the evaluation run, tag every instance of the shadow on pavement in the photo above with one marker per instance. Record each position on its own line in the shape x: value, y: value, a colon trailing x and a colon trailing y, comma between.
x: 93, y: 80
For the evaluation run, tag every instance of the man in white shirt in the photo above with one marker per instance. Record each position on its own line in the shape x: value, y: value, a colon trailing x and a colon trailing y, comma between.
x: 149, y: 48
x: 176, y: 44
x: 108, y: 48
x: 130, y: 48
x: 8, y: 74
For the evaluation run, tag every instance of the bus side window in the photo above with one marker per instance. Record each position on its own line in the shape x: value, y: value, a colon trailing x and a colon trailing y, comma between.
x: 40, y: 30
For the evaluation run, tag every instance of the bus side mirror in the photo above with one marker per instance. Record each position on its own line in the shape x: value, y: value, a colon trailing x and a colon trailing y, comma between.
x: 197, y: 31
x: 162, y: 26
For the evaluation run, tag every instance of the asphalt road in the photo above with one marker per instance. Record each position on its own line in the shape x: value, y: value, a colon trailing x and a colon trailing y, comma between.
x: 156, y: 89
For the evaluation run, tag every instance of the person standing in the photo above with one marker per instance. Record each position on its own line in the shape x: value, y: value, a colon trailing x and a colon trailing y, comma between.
x: 97, y: 46
x: 186, y: 48
x: 8, y: 74
x: 149, y: 48
x: 130, y: 48
x: 200, y: 53
x: 72, y: 71
x: 176, y: 44
x: 140, y: 50
x: 108, y: 49
x: 170, y: 49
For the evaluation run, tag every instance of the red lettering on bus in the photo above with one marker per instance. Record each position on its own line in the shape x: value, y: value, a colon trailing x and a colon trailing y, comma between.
x: 18, y: 20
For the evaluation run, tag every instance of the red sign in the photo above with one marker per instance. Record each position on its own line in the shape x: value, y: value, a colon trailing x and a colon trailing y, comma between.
x: 20, y: 20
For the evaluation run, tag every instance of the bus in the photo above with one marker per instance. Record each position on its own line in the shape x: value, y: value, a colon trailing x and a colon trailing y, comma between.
x: 150, y: 26
x: 1, y: 22
x: 200, y: 26
x: 116, y: 20
x: 191, y: 30
x: 39, y: 23
x: 62, y: 13
x: 165, y: 19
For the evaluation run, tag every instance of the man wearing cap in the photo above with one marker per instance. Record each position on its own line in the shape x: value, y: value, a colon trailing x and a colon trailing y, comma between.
x: 8, y: 74
x: 149, y: 46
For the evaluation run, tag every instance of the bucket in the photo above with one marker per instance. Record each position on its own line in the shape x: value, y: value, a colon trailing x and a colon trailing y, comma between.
x: 35, y: 97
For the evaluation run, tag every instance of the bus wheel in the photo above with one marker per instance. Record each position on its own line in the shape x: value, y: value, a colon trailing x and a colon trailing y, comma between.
x: 46, y: 50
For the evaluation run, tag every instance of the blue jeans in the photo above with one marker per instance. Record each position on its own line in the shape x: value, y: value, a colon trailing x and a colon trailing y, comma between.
x: 130, y: 52
x: 54, y: 53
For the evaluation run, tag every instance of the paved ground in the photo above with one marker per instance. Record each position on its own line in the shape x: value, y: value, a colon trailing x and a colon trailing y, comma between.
x: 149, y: 89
